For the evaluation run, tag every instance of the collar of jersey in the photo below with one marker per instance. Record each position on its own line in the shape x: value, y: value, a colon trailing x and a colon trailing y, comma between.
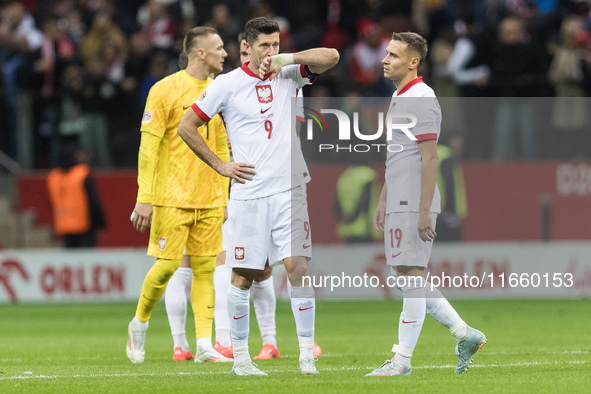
x: 196, y: 81
x: 409, y: 85
x: 250, y: 73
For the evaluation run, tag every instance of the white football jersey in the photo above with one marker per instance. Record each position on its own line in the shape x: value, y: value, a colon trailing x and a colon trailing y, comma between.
x: 403, y: 161
x: 257, y: 114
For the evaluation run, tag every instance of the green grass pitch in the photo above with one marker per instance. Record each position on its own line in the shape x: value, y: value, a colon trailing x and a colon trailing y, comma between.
x: 534, y: 346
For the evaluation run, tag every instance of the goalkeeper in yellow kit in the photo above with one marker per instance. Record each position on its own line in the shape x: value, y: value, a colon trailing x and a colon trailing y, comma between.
x: 180, y: 197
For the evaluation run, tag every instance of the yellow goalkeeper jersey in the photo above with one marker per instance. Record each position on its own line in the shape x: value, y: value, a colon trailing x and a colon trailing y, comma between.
x: 177, y: 177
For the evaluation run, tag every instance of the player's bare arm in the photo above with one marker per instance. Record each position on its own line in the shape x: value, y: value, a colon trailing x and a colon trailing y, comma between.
x: 429, y: 161
x: 318, y: 61
x: 188, y: 131
x: 379, y: 217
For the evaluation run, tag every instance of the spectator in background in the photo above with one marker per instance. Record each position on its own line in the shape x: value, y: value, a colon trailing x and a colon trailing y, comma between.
x: 263, y: 8
x: 467, y: 64
x: 102, y: 32
x: 366, y: 61
x: 158, y: 27
x: 19, y: 38
x: 158, y: 70
x: 335, y: 36
x: 136, y: 68
x: 104, y: 52
x: 441, y: 52
x: 566, y: 74
x: 517, y: 70
x: 55, y: 53
x: 187, y: 15
x: 97, y: 94
x: 221, y: 19
x: 469, y: 70
x: 77, y: 211
x: 69, y: 19
x: 138, y: 61
x: 72, y: 122
x: 82, y: 110
x: 450, y: 181
x: 228, y: 27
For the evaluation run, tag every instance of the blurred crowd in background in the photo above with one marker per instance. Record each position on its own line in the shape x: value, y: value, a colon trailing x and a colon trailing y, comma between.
x: 80, y: 70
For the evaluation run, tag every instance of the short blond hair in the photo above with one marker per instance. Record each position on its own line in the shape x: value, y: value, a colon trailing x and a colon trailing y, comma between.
x: 190, y: 40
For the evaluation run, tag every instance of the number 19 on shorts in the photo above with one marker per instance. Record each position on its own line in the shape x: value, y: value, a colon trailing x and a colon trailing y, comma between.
x: 395, y: 235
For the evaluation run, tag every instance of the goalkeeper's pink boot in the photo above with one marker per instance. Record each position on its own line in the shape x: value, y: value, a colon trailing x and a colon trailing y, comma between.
x: 316, y: 351
x: 181, y: 355
x: 267, y: 352
x: 226, y: 351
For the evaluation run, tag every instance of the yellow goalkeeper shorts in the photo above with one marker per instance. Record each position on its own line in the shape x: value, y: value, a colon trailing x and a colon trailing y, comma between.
x: 195, y: 232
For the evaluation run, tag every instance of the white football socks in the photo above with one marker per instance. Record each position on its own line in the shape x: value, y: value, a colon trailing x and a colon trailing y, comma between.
x: 303, y: 306
x: 221, y: 282
x: 136, y: 324
x: 442, y: 311
x: 411, y: 319
x: 175, y: 299
x: 263, y: 298
x: 203, y: 343
x: 238, y: 313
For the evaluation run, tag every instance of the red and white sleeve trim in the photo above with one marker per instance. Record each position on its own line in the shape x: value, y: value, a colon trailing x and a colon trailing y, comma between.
x: 303, y: 71
x: 201, y: 114
x: 425, y: 137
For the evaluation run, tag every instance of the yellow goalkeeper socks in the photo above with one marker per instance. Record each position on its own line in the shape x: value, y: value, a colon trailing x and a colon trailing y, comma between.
x: 154, y: 286
x: 203, y: 294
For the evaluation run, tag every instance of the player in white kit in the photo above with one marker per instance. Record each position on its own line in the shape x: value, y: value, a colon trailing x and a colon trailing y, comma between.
x: 262, y: 291
x: 268, y: 213
x: 409, y: 204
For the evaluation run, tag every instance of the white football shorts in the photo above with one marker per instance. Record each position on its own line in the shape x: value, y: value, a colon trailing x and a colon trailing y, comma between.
x: 226, y: 232
x: 276, y: 226
x: 403, y: 245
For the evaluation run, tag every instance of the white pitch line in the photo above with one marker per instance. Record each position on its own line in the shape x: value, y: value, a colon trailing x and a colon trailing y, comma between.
x: 538, y: 352
x: 368, y: 368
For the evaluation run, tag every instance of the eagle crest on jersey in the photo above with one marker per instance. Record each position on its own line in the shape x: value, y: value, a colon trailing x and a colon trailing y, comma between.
x: 239, y: 253
x: 264, y: 93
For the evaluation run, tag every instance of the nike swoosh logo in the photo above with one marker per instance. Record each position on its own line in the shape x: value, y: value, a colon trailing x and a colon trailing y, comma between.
x: 305, y: 309
x: 395, y: 255
x: 238, y: 318
x: 209, y: 307
x: 265, y: 110
x: 306, y: 246
x: 185, y: 108
x: 408, y: 322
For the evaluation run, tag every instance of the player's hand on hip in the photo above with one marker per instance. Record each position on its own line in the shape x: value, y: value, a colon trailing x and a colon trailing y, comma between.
x: 141, y: 217
x: 379, y: 217
x: 241, y: 172
x: 425, y: 228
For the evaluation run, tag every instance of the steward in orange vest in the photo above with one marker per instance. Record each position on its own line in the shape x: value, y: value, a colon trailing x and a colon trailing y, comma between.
x: 77, y: 212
